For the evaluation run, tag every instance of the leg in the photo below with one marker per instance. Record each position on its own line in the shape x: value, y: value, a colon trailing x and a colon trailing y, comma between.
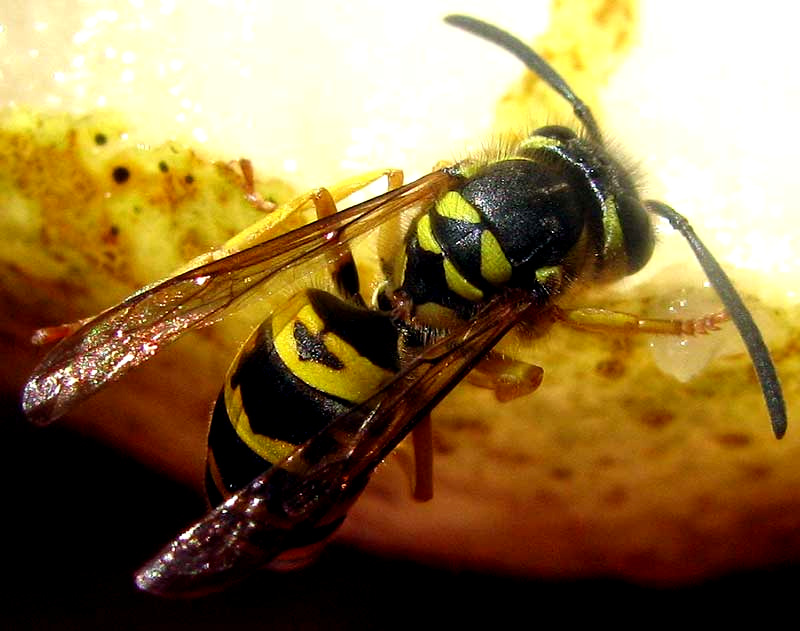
x: 53, y: 334
x: 604, y: 320
x: 343, y: 270
x: 422, y: 440
x: 247, y: 181
x: 509, y: 378
x: 270, y: 225
x: 415, y: 457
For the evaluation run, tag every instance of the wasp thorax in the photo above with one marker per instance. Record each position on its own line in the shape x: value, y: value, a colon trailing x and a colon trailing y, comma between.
x: 532, y: 209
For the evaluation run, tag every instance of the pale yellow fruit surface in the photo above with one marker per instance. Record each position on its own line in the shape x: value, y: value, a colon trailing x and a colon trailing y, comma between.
x: 615, y: 466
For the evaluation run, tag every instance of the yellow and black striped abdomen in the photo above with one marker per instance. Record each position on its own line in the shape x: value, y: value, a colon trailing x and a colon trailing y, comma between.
x: 315, y: 359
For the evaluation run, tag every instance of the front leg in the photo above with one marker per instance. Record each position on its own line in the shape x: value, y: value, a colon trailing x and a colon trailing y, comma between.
x: 509, y: 378
x: 323, y: 200
x: 608, y: 321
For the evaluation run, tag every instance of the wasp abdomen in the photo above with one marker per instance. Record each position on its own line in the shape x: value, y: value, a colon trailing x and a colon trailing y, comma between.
x: 310, y: 363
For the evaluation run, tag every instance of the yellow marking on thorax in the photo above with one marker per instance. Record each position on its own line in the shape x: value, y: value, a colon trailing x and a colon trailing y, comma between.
x: 460, y: 285
x: 539, y: 142
x: 425, y: 236
x: 495, y: 267
x: 454, y: 206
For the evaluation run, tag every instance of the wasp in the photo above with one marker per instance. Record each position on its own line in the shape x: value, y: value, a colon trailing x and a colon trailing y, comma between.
x: 333, y: 380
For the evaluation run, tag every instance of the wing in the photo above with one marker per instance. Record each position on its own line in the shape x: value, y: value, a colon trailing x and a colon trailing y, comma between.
x: 316, y: 484
x: 124, y: 336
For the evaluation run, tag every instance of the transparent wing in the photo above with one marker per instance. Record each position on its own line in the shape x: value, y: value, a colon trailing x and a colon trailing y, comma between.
x: 316, y: 484
x: 132, y: 332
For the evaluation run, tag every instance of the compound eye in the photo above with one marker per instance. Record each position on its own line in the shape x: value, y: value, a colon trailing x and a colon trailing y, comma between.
x: 557, y: 132
x: 637, y: 231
